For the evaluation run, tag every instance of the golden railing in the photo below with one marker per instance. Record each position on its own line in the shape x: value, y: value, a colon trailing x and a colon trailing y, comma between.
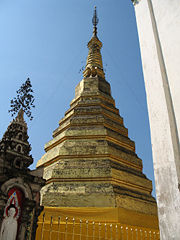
x: 62, y: 228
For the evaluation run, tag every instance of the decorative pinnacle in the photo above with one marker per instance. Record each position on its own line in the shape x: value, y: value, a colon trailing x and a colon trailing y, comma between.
x: 95, y: 21
x: 94, y: 65
x: 20, y: 116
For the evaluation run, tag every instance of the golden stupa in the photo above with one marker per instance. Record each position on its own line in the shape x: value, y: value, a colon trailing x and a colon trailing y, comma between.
x: 91, y: 169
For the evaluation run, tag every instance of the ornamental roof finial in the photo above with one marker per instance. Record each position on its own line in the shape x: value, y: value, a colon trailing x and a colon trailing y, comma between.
x: 20, y: 116
x: 95, y: 21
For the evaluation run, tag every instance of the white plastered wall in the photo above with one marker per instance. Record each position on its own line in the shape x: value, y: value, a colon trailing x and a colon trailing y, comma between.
x: 158, y: 24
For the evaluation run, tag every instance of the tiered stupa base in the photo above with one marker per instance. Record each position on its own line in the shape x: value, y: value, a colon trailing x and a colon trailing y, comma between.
x: 90, y: 165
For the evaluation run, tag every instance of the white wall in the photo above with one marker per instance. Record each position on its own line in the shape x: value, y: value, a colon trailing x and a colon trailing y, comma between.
x: 158, y: 25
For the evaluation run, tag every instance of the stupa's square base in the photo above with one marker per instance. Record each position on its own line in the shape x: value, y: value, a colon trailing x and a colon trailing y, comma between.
x: 89, y: 222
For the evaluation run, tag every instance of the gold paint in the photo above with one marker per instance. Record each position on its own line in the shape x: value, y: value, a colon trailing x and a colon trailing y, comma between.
x: 94, y: 66
x: 102, y: 156
x: 122, y: 132
x: 106, y: 215
x: 91, y: 137
x: 115, y: 110
x: 93, y: 96
x: 114, y: 181
x: 125, y: 162
x: 118, y: 120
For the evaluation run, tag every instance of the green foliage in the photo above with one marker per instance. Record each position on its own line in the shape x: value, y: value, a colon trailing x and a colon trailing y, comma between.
x: 24, y: 100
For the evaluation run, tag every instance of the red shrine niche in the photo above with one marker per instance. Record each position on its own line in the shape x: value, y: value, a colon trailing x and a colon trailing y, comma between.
x: 15, y: 201
x: 15, y: 198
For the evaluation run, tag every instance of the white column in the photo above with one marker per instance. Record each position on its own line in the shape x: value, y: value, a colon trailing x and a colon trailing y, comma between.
x: 158, y: 24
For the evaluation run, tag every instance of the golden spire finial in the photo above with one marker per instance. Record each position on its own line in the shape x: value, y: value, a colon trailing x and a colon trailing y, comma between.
x: 94, y: 66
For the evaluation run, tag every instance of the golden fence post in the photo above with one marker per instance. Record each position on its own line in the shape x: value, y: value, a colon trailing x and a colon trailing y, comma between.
x: 99, y: 232
x: 111, y: 230
x: 66, y: 228
x: 116, y: 237
x: 149, y: 235
x: 105, y: 226
x: 93, y: 229
x: 122, y: 232
x: 131, y: 234
x: 42, y: 229
x: 73, y: 229
x: 136, y: 231
x: 145, y: 233
x: 127, y: 233
x: 59, y: 220
x: 50, y: 231
x: 80, y: 232
x: 87, y: 230
x: 141, y: 234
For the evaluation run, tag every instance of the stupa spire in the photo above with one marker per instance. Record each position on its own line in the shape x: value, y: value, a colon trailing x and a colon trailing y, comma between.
x: 95, y: 21
x: 94, y: 65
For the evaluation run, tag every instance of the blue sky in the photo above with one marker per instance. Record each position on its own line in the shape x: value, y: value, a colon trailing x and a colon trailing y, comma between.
x: 46, y: 40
